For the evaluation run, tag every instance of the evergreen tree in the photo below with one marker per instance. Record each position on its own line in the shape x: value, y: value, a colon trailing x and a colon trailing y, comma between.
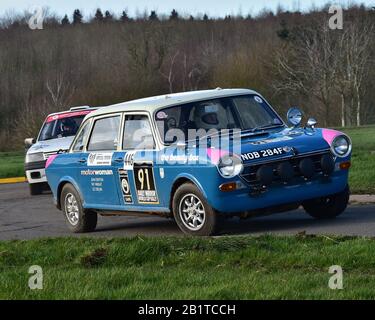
x: 124, y: 16
x: 108, y: 16
x: 65, y: 20
x: 174, y: 15
x: 77, y: 17
x: 191, y: 18
x: 153, y: 16
x: 283, y: 33
x: 98, y: 15
x: 205, y: 17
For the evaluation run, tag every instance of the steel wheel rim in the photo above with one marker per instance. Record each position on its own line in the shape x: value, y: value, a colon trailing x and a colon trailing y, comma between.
x: 71, y: 209
x: 192, y: 212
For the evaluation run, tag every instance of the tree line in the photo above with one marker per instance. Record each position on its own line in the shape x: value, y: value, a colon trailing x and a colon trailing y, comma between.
x: 292, y: 58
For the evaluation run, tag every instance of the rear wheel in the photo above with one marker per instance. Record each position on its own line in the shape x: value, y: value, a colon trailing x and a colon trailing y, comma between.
x: 192, y: 212
x: 36, y: 188
x: 78, y: 219
x: 328, y: 207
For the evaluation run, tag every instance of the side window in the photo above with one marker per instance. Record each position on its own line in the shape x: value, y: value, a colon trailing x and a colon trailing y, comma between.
x: 104, y: 134
x: 81, y: 139
x: 137, y: 133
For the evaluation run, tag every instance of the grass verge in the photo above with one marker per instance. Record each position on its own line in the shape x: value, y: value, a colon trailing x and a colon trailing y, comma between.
x: 266, y: 267
x: 11, y: 164
x: 362, y: 172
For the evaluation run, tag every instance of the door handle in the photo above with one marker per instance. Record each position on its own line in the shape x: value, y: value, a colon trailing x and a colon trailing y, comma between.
x: 119, y: 160
x: 82, y: 160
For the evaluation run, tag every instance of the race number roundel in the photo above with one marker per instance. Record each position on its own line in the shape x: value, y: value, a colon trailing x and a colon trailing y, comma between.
x: 125, y: 186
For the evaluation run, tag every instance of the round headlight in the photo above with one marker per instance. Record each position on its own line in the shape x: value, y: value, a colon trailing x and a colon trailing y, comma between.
x: 341, y: 146
x: 230, y: 166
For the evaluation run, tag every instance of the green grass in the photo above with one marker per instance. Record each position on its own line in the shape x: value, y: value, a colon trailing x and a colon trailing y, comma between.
x: 362, y: 173
x: 11, y: 164
x: 266, y: 267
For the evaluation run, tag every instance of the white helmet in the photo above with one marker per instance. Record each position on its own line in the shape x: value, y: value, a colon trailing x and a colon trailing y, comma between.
x: 210, y: 116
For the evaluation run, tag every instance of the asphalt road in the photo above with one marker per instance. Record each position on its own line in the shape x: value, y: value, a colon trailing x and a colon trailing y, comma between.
x: 26, y: 217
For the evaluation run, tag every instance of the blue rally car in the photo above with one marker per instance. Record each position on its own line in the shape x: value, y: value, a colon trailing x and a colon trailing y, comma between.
x: 196, y: 157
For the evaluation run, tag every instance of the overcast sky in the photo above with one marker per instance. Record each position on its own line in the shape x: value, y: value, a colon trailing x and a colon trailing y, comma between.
x: 212, y: 7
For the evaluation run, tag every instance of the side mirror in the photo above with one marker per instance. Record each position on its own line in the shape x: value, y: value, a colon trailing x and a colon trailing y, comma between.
x: 311, y: 123
x: 294, y: 116
x: 29, y: 142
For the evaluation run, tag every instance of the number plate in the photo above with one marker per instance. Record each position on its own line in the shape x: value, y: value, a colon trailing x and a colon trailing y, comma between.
x: 266, y: 153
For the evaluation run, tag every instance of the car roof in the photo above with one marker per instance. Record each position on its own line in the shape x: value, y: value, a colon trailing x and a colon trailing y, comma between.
x: 152, y: 104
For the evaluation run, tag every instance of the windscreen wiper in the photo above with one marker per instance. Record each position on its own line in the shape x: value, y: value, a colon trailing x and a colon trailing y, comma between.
x: 269, y: 126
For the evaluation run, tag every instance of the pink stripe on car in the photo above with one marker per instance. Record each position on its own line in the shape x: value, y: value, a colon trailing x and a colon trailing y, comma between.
x: 329, y: 135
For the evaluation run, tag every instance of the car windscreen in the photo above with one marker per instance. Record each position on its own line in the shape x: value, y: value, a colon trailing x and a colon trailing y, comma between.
x: 59, y: 128
x: 245, y: 112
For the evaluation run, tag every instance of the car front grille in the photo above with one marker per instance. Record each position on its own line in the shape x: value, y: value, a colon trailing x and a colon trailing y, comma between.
x: 249, y: 174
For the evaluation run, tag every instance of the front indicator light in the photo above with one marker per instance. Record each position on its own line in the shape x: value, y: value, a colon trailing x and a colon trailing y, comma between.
x: 228, y: 187
x: 345, y: 165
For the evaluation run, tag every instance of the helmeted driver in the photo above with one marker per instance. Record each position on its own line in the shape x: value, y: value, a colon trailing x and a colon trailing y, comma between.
x: 67, y: 127
x: 211, y: 116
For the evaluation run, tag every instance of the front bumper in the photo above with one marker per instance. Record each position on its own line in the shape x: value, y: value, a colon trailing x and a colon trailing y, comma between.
x: 35, y: 172
x: 244, y: 200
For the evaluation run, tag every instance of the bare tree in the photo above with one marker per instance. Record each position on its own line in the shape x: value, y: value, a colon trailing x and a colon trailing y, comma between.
x: 355, y: 65
x: 308, y: 65
x: 60, y: 91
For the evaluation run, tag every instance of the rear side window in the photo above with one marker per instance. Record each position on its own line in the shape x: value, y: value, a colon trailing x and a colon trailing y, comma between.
x: 137, y: 133
x: 104, y: 135
x: 82, y: 137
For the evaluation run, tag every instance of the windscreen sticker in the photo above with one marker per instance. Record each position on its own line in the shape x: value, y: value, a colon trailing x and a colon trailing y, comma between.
x: 99, y: 159
x: 145, y: 184
x: 161, y: 115
x: 258, y: 99
x: 125, y: 186
x: 67, y: 115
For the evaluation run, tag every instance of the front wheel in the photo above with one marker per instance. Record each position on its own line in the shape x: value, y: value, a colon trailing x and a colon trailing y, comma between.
x: 328, y: 207
x: 192, y: 212
x: 78, y: 219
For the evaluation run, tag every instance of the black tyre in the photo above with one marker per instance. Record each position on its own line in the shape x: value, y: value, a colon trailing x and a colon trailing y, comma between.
x: 192, y: 212
x: 78, y: 219
x: 328, y: 207
x: 36, y: 188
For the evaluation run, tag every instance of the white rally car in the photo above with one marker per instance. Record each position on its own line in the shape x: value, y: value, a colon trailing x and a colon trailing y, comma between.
x: 55, y: 136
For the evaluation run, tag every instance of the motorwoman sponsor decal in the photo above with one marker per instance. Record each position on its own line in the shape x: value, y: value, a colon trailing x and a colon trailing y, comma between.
x: 96, y: 172
x: 99, y: 159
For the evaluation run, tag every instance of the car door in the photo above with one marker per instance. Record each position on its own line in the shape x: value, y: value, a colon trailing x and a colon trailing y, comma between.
x: 135, y: 164
x: 97, y: 177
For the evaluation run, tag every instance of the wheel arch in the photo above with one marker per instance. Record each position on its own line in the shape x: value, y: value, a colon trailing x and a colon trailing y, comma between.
x: 179, y: 181
x: 62, y: 183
